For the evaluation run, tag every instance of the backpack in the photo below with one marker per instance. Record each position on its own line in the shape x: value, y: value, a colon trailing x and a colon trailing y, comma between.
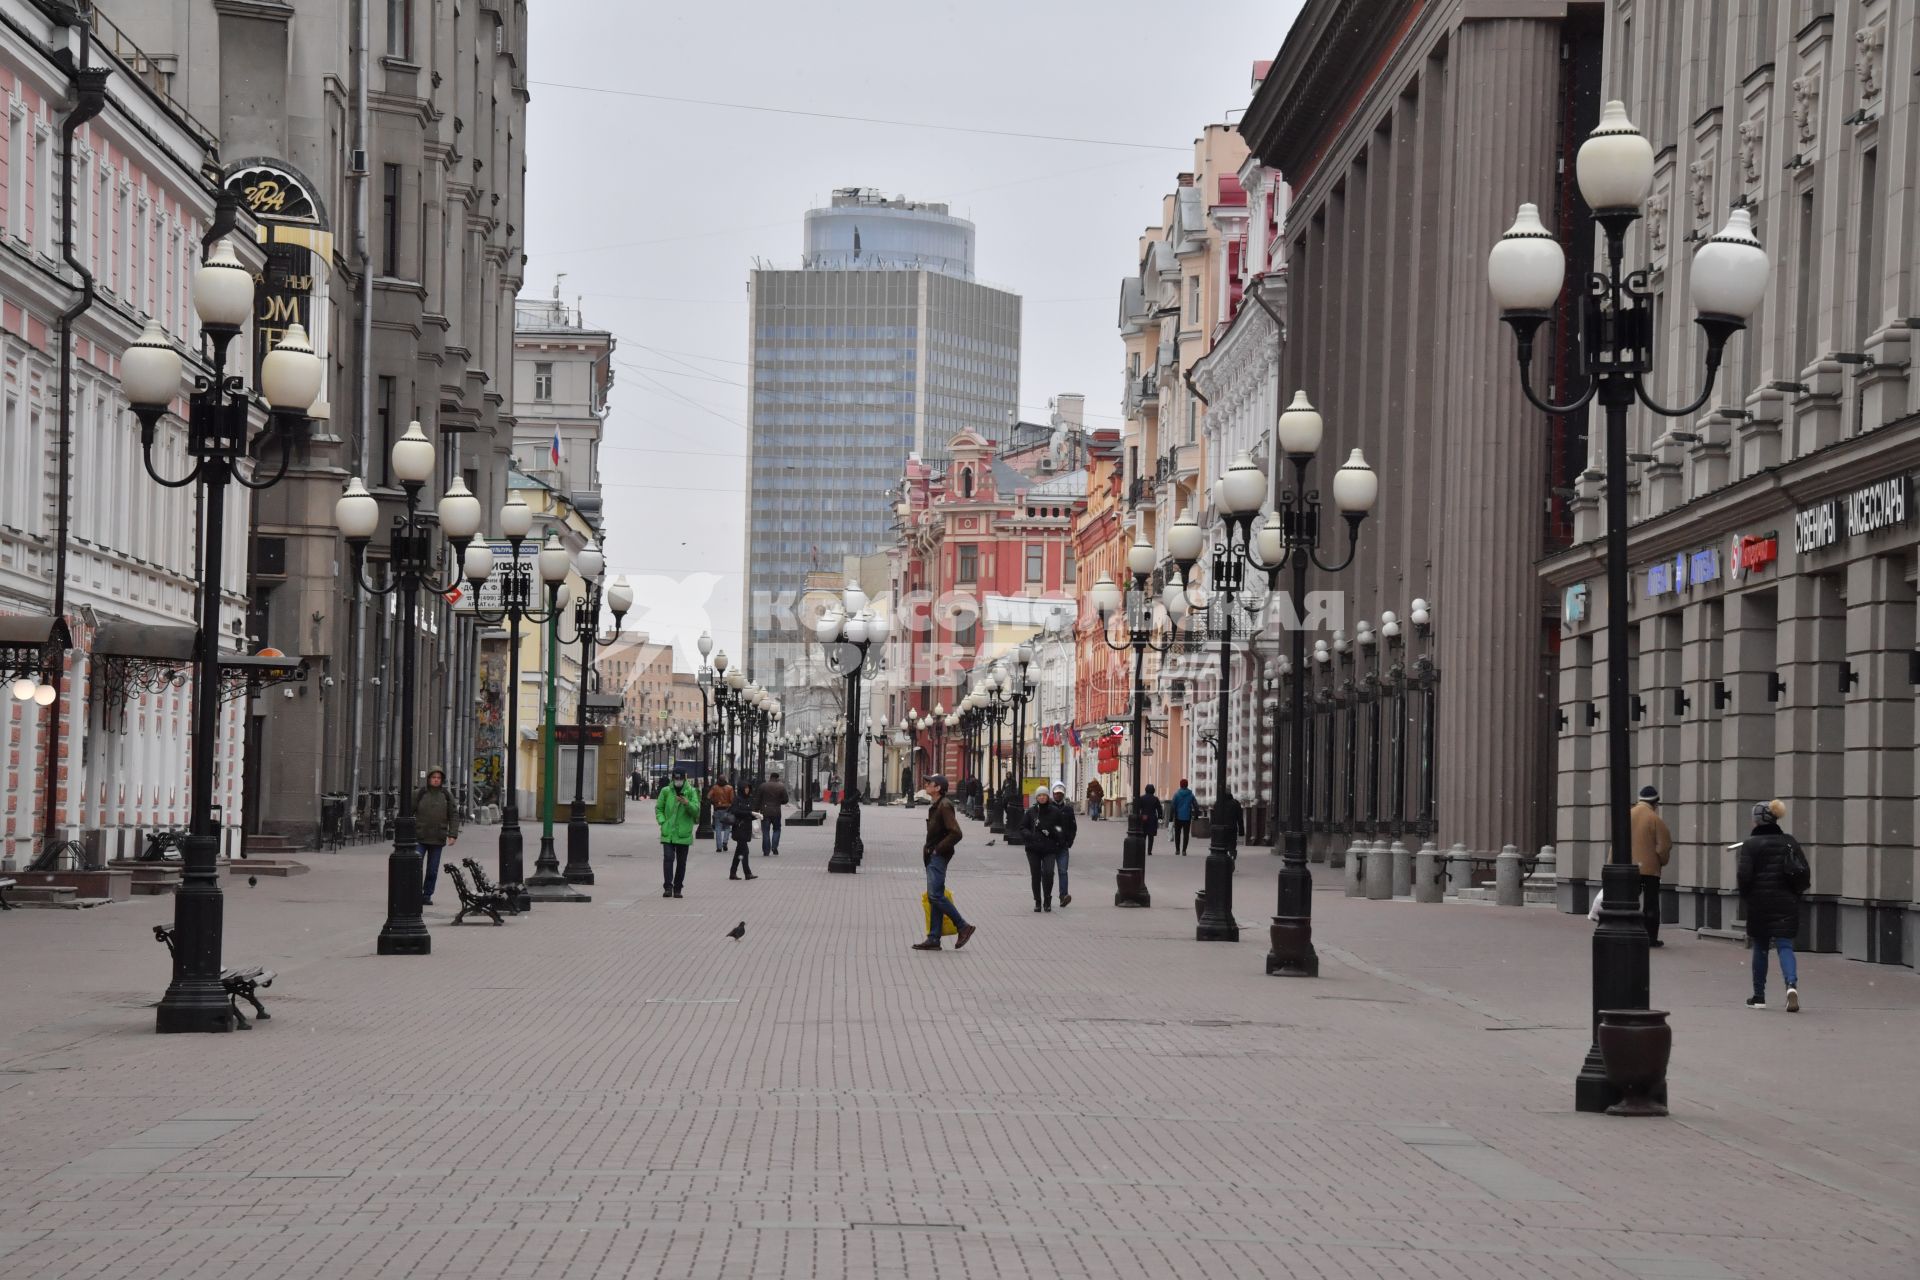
x: 1798, y: 871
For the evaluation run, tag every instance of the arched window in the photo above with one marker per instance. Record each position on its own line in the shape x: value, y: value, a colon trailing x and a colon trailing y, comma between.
x: 966, y: 483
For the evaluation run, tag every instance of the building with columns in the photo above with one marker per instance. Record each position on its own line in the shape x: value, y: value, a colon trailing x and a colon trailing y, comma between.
x: 1408, y: 133
x: 1775, y: 542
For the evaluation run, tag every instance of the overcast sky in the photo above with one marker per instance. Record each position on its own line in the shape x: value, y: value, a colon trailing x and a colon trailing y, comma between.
x: 657, y: 209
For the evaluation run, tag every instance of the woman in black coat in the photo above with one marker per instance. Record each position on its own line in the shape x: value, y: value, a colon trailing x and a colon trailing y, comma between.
x: 1150, y: 814
x: 1773, y: 876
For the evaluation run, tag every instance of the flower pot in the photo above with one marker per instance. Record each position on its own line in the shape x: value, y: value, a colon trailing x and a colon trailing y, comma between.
x: 1635, y: 1045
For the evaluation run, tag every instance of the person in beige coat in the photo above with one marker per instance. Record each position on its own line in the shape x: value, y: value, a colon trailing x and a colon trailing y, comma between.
x: 1652, y: 848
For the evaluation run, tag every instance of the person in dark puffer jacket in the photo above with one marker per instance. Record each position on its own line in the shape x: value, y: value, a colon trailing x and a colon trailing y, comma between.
x: 1773, y: 876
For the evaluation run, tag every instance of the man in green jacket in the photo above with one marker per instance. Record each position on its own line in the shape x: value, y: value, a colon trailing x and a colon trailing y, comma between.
x: 677, y: 810
x: 436, y: 824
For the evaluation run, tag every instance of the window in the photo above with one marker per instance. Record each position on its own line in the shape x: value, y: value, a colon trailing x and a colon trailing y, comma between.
x: 390, y: 221
x: 969, y: 570
x: 1867, y: 286
x: 543, y: 380
x: 400, y: 29
x: 966, y: 632
x: 1193, y: 299
x: 1069, y: 568
x: 1036, y: 562
x: 383, y: 429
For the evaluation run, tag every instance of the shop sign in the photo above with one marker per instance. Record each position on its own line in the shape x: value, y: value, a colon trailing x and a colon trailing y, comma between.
x: 1751, y: 553
x: 1688, y: 569
x: 1575, y: 608
x: 1885, y: 504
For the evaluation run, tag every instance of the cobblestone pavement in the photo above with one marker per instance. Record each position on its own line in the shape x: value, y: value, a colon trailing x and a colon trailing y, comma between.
x: 616, y: 1089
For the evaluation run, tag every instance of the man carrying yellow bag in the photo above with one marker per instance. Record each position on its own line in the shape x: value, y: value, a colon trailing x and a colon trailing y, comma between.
x: 943, y: 835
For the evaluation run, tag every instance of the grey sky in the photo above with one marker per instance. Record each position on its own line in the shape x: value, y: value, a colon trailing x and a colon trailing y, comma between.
x: 656, y: 210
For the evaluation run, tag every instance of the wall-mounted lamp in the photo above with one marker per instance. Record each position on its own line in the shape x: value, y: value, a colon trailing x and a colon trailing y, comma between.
x: 1849, y: 678
x: 1593, y: 714
x: 1560, y: 717
x: 1913, y: 666
x: 1636, y: 707
x: 1776, y: 687
x: 1684, y: 437
x: 1722, y: 696
x: 1681, y: 702
x: 1797, y: 388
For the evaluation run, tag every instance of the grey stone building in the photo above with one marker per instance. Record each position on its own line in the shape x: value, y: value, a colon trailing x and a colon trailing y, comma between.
x: 880, y: 346
x: 1773, y: 589
x: 1408, y: 134
x: 387, y: 175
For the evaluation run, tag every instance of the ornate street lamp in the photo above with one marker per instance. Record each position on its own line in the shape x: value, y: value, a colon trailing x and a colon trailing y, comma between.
x: 1526, y: 272
x: 591, y: 564
x: 412, y: 565
x: 1131, y: 886
x: 850, y: 635
x: 704, y: 681
x: 516, y: 606
x: 150, y: 378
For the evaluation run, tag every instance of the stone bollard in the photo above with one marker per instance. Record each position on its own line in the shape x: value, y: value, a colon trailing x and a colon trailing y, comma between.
x: 1402, y: 870
x: 1379, y: 871
x: 1459, y: 868
x: 1356, y: 869
x: 1542, y: 885
x: 1508, y: 875
x: 1429, y: 874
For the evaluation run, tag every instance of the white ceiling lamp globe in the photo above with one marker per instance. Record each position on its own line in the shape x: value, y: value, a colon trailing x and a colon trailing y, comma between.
x: 1615, y: 163
x: 1185, y: 539
x: 704, y: 644
x: 1300, y: 428
x: 477, y: 563
x: 150, y: 371
x: 516, y: 517
x: 1105, y: 596
x: 620, y: 595
x: 223, y: 288
x: 45, y: 694
x: 1139, y: 557
x: 1526, y: 267
x: 879, y: 626
x: 1174, y: 600
x: 290, y: 373
x: 591, y: 562
x: 1243, y: 488
x: 1269, y: 545
x: 1730, y: 271
x: 1355, y: 486
x: 720, y: 662
x: 23, y: 688
x: 413, y: 456
x: 736, y: 680
x: 853, y: 599
x: 459, y: 511
x: 855, y: 629
x: 355, y: 513
x: 826, y: 628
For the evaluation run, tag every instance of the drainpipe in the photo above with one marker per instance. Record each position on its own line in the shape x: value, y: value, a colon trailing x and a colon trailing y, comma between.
x: 363, y: 249
x: 89, y: 88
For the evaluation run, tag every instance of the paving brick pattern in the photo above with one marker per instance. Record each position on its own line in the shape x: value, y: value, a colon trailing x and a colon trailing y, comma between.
x: 617, y: 1089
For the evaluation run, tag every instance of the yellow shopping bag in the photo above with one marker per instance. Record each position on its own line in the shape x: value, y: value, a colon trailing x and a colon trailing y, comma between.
x: 947, y: 926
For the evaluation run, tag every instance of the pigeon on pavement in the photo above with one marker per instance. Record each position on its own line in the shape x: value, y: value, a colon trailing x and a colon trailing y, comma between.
x: 738, y: 931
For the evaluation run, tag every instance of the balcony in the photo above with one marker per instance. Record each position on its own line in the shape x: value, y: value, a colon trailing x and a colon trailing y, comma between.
x: 1142, y: 391
x: 1140, y: 494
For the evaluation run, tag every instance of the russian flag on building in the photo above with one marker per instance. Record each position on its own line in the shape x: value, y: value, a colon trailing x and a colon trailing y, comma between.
x: 555, y: 453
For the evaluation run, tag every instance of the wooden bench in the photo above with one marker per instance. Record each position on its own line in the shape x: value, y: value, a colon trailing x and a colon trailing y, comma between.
x: 508, y: 894
x: 5, y: 884
x: 241, y: 983
x: 473, y: 902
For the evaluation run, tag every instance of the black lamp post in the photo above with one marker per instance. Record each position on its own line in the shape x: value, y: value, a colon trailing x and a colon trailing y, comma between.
x: 150, y: 377
x: 704, y: 681
x: 1131, y: 886
x: 848, y: 635
x: 1526, y: 272
x: 1292, y: 537
x: 1020, y: 689
x: 591, y: 562
x: 992, y: 690
x: 516, y: 606
x: 412, y: 565
x: 807, y: 749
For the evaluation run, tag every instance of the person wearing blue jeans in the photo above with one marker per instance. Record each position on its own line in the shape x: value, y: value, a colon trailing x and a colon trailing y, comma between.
x: 943, y: 835
x: 1066, y: 850
x: 1773, y: 876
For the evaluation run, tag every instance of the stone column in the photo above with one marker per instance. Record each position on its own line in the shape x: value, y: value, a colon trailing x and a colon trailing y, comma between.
x: 1504, y: 78
x: 1810, y: 731
x: 1748, y: 733
x: 1878, y: 821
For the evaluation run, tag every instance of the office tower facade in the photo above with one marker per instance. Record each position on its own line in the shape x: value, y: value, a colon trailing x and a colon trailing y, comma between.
x: 881, y: 346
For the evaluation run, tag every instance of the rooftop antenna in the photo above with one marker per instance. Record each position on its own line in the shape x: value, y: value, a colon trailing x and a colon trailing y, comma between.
x: 556, y: 285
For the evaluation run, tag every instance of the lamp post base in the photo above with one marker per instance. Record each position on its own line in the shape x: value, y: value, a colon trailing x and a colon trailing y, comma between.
x: 405, y: 932
x: 191, y: 1009
x: 579, y: 867
x: 513, y: 868
x: 547, y: 884
x: 1622, y: 979
x: 1291, y: 953
x: 1131, y: 880
x: 195, y: 1000
x: 1216, y: 921
x: 846, y: 838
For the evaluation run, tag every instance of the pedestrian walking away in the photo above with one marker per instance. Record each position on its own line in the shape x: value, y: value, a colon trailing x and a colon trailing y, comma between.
x: 720, y: 803
x: 943, y: 837
x: 1046, y: 836
x: 436, y: 824
x: 1652, y: 849
x: 1773, y: 876
x: 1150, y: 813
x: 677, y: 810
x: 770, y: 799
x: 1182, y: 804
x: 1061, y: 803
x: 742, y: 811
x: 1096, y: 796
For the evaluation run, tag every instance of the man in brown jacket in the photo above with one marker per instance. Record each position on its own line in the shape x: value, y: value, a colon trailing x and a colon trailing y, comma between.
x: 770, y: 799
x: 1652, y: 847
x: 943, y: 834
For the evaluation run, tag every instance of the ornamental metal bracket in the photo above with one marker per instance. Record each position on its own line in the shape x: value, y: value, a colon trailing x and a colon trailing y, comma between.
x: 34, y: 649
x: 122, y: 677
x: 246, y: 675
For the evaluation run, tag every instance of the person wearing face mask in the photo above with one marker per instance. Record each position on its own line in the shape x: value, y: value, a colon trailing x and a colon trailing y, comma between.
x: 1046, y: 837
x: 677, y: 810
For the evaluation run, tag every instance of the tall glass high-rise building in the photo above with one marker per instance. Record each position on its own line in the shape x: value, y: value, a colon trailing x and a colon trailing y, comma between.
x: 881, y: 345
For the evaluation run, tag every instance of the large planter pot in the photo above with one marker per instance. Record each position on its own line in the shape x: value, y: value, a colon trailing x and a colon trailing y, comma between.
x: 1635, y: 1045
